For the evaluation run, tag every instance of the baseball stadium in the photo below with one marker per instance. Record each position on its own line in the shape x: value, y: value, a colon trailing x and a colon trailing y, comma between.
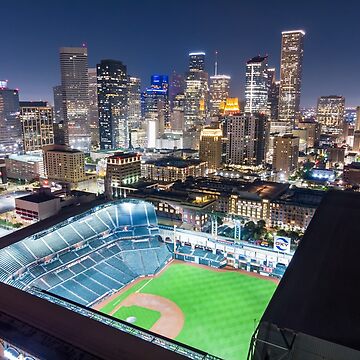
x: 112, y: 260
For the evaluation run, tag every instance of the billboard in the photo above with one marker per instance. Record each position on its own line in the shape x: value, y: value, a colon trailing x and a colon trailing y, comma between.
x: 282, y: 243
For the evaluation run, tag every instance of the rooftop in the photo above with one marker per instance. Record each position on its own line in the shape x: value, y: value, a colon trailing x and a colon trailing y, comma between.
x: 26, y: 157
x: 60, y: 148
x: 174, y: 162
x: 257, y: 189
x: 27, y: 321
x: 34, y: 104
x: 38, y: 197
x: 326, y: 305
x: 256, y: 59
x: 293, y: 32
x: 353, y: 165
x: 123, y: 155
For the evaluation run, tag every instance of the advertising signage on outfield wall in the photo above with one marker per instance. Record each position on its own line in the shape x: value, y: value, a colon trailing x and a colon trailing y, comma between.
x: 282, y: 243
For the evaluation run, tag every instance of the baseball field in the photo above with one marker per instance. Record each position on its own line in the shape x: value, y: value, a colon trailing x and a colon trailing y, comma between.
x: 209, y: 309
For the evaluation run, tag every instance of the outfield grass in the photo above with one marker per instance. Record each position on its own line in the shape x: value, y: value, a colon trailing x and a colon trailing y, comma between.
x: 221, y: 309
x: 145, y: 318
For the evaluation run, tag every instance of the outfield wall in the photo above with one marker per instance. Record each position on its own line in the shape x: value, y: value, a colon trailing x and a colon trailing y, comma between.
x: 238, y: 254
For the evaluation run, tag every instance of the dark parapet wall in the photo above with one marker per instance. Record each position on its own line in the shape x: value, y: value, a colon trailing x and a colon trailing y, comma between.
x: 317, y: 296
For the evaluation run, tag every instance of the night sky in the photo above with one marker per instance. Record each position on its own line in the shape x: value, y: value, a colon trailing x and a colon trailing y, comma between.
x: 156, y: 36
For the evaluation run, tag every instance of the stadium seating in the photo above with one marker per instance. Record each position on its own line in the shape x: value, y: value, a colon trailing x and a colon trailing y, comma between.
x: 90, y: 255
x: 205, y: 257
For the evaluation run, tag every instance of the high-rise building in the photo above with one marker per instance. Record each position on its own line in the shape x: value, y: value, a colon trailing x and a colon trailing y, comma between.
x: 176, y: 87
x: 177, y: 115
x: 122, y: 170
x: 75, y: 97
x: 256, y: 85
x: 210, y: 147
x: 10, y: 125
x: 356, y: 143
x: 196, y: 61
x: 156, y: 108
x: 93, y: 108
x: 273, y: 95
x: 158, y: 92
x: 313, y: 132
x: 330, y: 113
x: 63, y: 163
x: 285, y: 156
x: 292, y: 49
x: 112, y: 83
x: 219, y: 92
x: 58, y: 106
x: 58, y: 123
x: 37, y: 124
x: 134, y: 102
x: 230, y: 106
x: 357, y: 120
x: 155, y: 120
x: 196, y: 91
x: 245, y: 139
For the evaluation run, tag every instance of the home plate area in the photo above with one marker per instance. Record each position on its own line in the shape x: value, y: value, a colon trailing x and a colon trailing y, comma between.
x: 154, y: 312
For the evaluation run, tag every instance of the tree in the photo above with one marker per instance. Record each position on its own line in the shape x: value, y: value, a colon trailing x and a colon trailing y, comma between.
x: 248, y: 230
x: 261, y: 224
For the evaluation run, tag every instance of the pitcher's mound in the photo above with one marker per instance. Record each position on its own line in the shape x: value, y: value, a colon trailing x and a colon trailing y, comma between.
x: 131, y: 319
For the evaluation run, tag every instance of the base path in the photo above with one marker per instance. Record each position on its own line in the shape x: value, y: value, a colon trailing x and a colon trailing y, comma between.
x: 172, y: 318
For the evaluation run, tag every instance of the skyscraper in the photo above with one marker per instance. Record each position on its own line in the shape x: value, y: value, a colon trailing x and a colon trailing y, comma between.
x: 134, y: 102
x: 93, y: 108
x: 58, y: 123
x: 285, y: 157
x: 58, y: 106
x: 75, y: 97
x: 357, y: 119
x: 219, y: 92
x: 196, y: 91
x: 292, y: 49
x: 230, y: 106
x: 177, y: 114
x: 156, y: 108
x: 256, y: 85
x: 112, y: 82
x: 10, y: 125
x: 196, y: 61
x: 245, y: 136
x: 176, y: 87
x: 159, y: 89
x: 273, y: 95
x: 37, y: 124
x: 330, y: 113
x: 210, y: 147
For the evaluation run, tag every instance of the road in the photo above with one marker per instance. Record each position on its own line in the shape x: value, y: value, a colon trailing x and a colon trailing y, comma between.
x: 7, y: 200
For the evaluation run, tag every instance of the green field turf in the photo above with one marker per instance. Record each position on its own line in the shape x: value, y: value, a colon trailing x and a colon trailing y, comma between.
x: 145, y: 318
x: 221, y: 309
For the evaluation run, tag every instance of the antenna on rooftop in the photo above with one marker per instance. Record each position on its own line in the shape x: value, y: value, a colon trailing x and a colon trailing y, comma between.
x: 216, y: 63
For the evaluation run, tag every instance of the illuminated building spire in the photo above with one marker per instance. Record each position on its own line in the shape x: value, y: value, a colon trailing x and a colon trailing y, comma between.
x: 216, y: 63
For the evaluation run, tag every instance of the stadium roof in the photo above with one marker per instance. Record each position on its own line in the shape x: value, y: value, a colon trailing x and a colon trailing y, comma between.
x: 49, y: 331
x: 318, y: 294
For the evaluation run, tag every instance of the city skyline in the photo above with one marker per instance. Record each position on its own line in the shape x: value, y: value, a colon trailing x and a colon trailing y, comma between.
x: 36, y: 73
